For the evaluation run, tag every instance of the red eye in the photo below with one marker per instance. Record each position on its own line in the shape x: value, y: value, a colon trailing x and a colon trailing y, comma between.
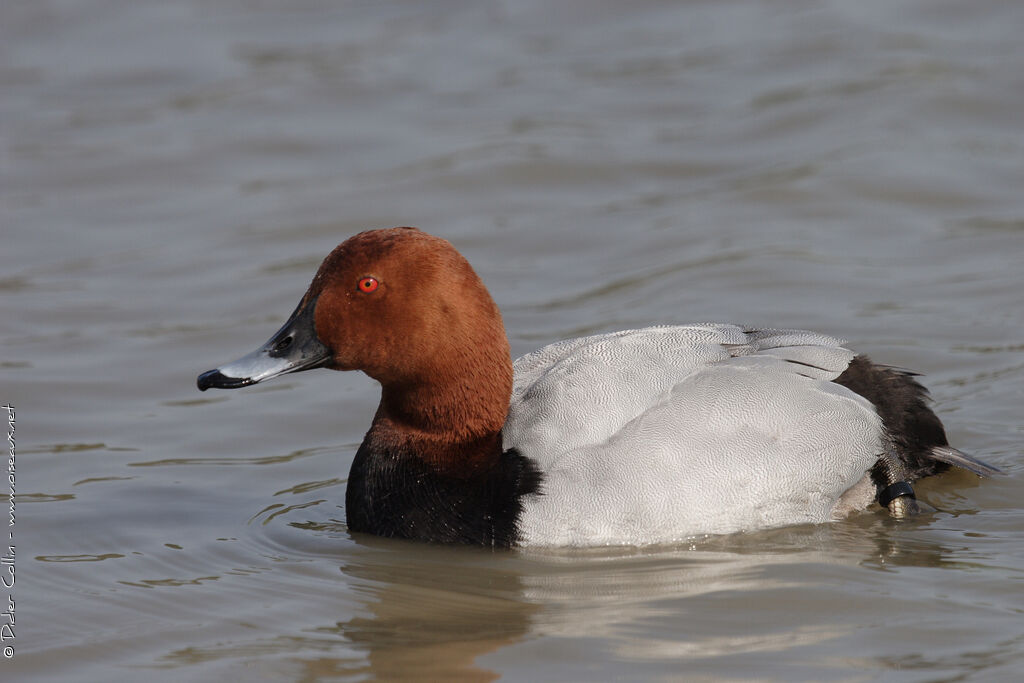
x: 368, y: 284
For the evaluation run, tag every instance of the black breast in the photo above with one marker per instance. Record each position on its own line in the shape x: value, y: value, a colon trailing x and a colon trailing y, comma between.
x: 397, y: 494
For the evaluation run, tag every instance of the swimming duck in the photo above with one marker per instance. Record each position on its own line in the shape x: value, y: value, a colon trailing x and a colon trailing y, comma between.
x: 636, y: 437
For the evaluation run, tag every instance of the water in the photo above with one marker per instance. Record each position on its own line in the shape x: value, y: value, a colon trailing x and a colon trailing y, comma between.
x: 172, y: 174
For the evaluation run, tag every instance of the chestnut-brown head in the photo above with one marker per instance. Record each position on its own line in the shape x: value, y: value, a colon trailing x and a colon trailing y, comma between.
x: 408, y: 310
x: 401, y: 306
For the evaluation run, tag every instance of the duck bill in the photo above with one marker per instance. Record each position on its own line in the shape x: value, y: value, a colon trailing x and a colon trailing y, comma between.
x: 293, y: 348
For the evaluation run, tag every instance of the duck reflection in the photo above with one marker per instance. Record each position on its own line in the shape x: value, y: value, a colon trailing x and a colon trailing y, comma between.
x: 437, y: 613
x: 430, y: 612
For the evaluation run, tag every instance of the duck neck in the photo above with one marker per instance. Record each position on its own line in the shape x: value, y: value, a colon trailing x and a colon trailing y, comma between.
x: 451, y: 421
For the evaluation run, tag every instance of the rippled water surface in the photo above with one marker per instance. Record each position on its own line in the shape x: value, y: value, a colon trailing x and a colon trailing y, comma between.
x: 173, y: 172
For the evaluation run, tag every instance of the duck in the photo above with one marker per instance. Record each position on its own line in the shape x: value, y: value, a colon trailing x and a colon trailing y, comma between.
x: 638, y: 437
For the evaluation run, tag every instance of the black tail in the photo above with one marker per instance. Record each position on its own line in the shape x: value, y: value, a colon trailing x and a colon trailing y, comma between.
x: 915, y: 432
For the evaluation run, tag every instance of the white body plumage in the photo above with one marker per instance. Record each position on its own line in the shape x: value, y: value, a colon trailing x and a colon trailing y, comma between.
x: 665, y: 433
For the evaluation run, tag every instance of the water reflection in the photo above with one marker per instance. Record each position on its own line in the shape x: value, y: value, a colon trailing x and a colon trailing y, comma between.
x: 436, y: 617
x: 437, y: 611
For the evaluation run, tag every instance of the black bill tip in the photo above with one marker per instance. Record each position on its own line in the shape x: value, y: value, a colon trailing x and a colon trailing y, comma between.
x: 218, y: 380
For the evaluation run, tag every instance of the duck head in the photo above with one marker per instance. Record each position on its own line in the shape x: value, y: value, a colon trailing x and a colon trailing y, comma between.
x: 408, y: 310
